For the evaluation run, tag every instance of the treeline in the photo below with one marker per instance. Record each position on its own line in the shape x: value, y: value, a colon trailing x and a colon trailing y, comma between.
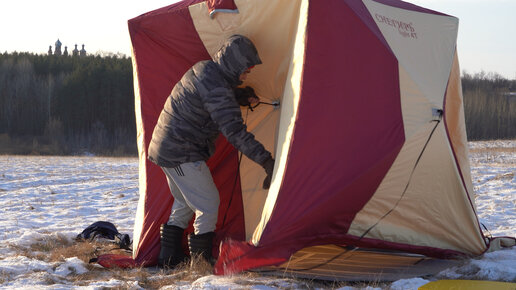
x: 66, y: 105
x: 72, y: 105
x: 489, y: 106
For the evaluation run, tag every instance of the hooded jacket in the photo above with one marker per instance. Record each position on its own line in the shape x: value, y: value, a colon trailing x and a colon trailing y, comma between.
x: 201, y: 105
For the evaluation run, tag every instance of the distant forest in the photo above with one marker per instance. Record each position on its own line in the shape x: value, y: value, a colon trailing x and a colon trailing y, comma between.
x: 66, y: 105
x: 489, y: 106
x: 73, y: 105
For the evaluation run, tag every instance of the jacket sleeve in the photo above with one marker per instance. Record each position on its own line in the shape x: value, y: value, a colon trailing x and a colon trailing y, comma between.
x: 225, y: 112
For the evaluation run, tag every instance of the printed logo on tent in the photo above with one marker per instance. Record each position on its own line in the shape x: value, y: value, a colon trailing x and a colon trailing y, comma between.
x: 423, y: 43
x: 405, y: 29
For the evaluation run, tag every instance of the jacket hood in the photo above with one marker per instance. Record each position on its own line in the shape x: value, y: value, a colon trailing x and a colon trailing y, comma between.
x: 234, y: 57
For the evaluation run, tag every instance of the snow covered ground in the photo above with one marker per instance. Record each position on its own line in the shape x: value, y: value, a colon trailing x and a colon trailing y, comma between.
x: 48, y: 198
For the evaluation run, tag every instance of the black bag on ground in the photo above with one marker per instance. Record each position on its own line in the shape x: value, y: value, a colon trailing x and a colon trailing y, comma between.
x: 105, y: 230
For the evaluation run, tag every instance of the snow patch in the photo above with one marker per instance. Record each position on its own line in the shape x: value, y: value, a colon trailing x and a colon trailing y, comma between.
x: 405, y: 284
x: 494, y: 266
x: 71, y: 266
x: 20, y: 264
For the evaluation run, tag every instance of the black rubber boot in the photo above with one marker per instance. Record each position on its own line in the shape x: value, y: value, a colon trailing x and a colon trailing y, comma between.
x: 201, y: 246
x: 171, y: 253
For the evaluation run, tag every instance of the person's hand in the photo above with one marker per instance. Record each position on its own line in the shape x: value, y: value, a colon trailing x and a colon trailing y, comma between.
x: 253, y: 100
x: 269, y: 168
x: 246, y: 96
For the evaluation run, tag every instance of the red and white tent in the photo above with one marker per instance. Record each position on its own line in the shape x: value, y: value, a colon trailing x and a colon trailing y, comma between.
x: 369, y: 140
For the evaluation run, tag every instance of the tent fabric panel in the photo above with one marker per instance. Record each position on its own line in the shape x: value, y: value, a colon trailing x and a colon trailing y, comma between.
x: 139, y: 221
x: 116, y: 261
x: 156, y: 77
x: 222, y: 6
x: 417, y: 119
x: 240, y: 256
x: 393, y: 185
x: 361, y: 11
x: 340, y: 122
x: 456, y: 125
x: 433, y: 211
x: 417, y: 103
x: 338, y: 263
x: 165, y: 46
x: 260, y: 23
x: 288, y: 116
x: 424, y: 45
x: 416, y: 108
x: 252, y: 174
x: 172, y: 8
x: 406, y: 6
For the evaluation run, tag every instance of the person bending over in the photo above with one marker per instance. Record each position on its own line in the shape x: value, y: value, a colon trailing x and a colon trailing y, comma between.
x: 202, y: 105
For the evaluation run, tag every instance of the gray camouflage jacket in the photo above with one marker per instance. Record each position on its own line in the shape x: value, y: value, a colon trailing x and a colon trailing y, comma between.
x: 201, y: 105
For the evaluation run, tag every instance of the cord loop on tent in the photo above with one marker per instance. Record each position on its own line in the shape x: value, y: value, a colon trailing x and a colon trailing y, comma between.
x: 275, y: 104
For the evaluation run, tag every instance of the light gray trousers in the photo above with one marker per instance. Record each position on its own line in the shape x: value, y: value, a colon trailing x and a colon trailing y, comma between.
x: 194, y: 191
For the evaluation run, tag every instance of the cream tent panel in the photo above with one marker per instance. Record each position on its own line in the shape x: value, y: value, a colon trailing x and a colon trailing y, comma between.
x: 392, y: 186
x: 142, y: 158
x: 456, y: 124
x: 272, y: 28
x: 289, y: 106
x: 417, y: 124
x: 434, y: 211
x: 424, y: 45
x: 415, y: 107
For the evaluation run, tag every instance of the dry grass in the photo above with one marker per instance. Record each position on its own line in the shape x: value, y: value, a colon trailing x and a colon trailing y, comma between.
x: 57, y: 248
x: 493, y: 150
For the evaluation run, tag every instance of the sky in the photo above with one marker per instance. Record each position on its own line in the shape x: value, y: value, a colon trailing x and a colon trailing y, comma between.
x: 486, y: 41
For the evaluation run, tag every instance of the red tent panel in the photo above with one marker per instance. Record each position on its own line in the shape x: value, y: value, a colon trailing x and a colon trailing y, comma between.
x: 345, y: 165
x: 165, y: 46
